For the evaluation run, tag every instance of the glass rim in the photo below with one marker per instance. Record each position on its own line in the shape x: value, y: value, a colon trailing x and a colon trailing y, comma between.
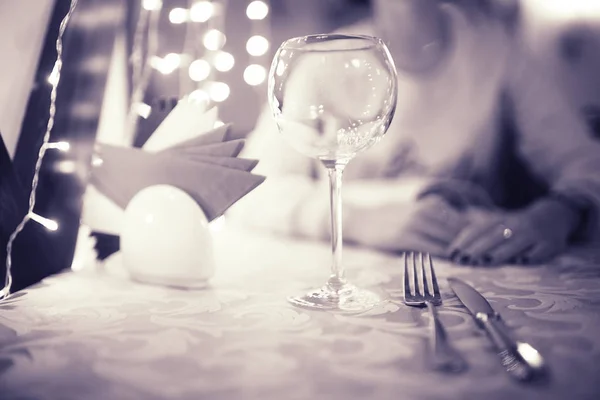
x: 300, y: 42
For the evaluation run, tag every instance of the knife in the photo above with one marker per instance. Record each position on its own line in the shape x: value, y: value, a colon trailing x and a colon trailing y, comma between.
x: 521, y: 360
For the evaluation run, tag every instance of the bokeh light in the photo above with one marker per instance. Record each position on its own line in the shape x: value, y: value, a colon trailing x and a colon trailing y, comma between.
x: 62, y: 146
x: 199, y: 70
x: 224, y: 61
x: 178, y: 15
x: 255, y: 74
x: 201, y: 11
x: 142, y: 109
x: 214, y: 39
x: 152, y: 5
x: 171, y: 62
x: 199, y: 96
x: 257, y: 45
x: 566, y: 10
x: 166, y: 65
x: 257, y: 10
x: 219, y: 91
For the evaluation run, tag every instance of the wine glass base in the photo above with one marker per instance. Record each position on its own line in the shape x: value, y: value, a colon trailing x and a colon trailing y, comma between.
x: 348, y: 298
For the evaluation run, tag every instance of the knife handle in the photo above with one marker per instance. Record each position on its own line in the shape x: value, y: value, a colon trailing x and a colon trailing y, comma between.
x: 506, y: 347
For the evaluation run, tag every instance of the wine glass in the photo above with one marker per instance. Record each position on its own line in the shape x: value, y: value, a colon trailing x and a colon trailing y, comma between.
x: 333, y: 96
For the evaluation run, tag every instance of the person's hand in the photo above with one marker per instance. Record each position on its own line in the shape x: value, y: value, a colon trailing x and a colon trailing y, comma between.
x: 532, y: 235
x: 428, y: 225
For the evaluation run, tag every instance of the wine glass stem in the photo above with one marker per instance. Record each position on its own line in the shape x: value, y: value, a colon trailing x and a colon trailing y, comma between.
x: 336, y: 280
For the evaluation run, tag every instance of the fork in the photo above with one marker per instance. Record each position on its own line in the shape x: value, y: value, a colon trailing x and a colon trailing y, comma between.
x: 443, y: 356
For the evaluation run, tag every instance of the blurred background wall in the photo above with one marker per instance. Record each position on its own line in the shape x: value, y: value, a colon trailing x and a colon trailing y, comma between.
x: 565, y: 33
x: 251, y: 32
x: 24, y: 24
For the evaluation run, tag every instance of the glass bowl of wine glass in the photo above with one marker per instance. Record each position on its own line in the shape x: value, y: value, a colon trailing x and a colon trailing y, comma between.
x: 332, y: 97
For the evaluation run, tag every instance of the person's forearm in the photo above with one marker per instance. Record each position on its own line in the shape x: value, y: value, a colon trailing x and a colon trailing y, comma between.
x: 298, y: 205
x: 557, y: 207
x: 277, y: 205
x: 582, y: 196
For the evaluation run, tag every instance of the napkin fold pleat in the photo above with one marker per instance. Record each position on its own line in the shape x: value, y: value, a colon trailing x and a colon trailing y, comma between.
x: 216, y: 135
x: 189, y: 150
x: 180, y: 125
x: 214, y: 195
x: 243, y: 164
x: 231, y: 148
x: 126, y: 171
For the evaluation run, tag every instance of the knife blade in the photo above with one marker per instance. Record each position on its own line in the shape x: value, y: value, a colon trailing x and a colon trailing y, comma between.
x: 521, y: 360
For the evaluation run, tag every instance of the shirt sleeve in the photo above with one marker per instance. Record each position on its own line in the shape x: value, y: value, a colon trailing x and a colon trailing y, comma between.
x: 276, y: 157
x: 279, y: 204
x: 294, y: 199
x: 553, y: 140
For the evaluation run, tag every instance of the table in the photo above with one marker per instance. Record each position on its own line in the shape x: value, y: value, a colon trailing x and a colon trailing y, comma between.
x: 98, y: 335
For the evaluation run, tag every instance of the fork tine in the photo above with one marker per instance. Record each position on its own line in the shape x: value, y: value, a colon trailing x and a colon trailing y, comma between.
x: 416, y: 275
x: 425, y: 283
x: 443, y: 356
x: 406, y: 282
x: 436, y: 288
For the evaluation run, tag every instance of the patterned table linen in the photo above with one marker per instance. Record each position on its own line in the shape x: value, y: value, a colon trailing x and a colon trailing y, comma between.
x: 98, y: 335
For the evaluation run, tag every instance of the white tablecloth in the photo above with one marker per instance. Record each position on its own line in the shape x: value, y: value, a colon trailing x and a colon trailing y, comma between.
x: 97, y: 335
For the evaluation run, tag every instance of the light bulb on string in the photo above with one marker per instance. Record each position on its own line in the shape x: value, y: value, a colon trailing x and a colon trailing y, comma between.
x: 52, y: 225
x: 257, y: 10
x: 53, y: 78
x: 257, y: 45
x: 47, y: 223
x: 62, y: 146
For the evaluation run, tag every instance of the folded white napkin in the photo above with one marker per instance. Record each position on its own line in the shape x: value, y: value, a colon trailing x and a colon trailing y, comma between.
x: 185, y: 151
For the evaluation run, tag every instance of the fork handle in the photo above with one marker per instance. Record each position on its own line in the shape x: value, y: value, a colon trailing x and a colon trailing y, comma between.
x: 443, y: 355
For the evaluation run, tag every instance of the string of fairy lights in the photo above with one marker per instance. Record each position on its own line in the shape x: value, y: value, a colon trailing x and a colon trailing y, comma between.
x: 205, y: 65
x: 53, y: 80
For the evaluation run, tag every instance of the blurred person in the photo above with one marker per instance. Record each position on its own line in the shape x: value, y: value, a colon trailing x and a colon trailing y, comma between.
x: 485, y: 161
x: 567, y: 35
